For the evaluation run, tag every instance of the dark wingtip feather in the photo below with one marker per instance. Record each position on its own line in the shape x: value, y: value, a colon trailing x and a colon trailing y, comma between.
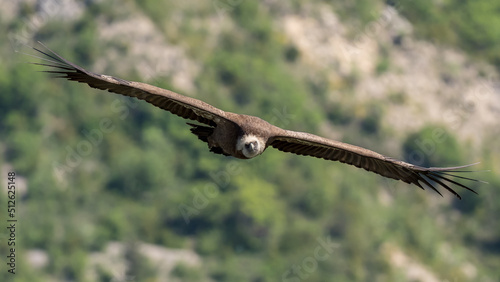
x: 452, y: 181
x: 429, y: 185
x: 466, y: 178
x: 454, y: 168
x: 437, y: 180
x: 445, y: 174
x: 64, y: 67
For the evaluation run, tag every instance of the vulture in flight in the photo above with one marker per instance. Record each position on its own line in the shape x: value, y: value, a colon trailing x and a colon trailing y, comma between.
x: 245, y: 137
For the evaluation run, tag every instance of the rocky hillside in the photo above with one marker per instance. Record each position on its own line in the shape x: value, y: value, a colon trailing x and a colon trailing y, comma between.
x: 365, y: 76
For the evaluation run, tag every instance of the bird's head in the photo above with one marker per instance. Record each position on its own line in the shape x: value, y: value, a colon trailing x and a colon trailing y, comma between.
x: 250, y: 146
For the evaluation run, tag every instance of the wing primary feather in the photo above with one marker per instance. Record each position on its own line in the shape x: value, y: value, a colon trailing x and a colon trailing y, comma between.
x: 41, y: 58
x: 452, y: 168
x: 56, y: 58
x: 419, y: 185
x: 58, y: 76
x: 462, y: 177
x: 412, y: 176
x: 60, y: 72
x: 399, y: 175
x: 454, y: 182
x: 436, y: 179
x: 422, y: 178
x: 53, y: 65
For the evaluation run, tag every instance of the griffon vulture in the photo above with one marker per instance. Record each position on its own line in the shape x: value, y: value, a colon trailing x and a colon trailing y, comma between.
x: 245, y: 137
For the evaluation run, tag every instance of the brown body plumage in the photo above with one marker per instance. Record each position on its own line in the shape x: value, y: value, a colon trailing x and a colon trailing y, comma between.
x: 245, y: 137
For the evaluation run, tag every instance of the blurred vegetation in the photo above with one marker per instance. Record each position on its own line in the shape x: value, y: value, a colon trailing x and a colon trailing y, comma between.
x: 150, y: 180
x: 468, y: 25
x: 432, y: 146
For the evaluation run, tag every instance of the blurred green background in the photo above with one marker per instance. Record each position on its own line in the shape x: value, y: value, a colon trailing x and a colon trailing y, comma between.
x: 141, y: 199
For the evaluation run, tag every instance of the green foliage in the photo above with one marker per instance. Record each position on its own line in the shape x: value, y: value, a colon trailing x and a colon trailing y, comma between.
x: 384, y: 63
x: 257, y: 83
x: 398, y: 98
x: 257, y: 200
x: 186, y: 273
x: 370, y: 123
x: 138, y: 266
x: 155, y: 9
x: 359, y: 12
x: 291, y: 54
x: 432, y: 146
x: 467, y: 25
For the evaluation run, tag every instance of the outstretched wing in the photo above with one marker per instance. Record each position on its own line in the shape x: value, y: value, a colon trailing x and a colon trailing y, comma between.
x: 186, y: 107
x: 306, y: 144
